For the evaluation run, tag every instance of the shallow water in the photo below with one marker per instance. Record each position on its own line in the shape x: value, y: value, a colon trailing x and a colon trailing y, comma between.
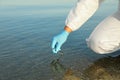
x: 25, y: 45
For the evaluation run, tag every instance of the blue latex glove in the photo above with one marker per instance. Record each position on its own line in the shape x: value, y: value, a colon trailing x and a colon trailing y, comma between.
x: 58, y: 41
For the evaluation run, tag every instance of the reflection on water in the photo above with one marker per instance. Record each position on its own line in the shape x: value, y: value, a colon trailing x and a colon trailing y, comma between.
x: 56, y: 65
x: 107, y: 68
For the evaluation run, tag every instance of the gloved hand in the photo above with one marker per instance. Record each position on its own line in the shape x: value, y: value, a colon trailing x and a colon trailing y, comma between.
x: 58, y: 41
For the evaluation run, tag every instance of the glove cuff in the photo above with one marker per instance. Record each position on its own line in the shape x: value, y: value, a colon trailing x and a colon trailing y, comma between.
x: 65, y: 33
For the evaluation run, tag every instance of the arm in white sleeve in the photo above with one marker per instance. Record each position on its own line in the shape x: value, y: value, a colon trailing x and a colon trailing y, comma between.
x: 83, y: 10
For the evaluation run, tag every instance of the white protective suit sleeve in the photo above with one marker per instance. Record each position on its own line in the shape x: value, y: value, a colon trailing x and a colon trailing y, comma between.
x: 82, y: 11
